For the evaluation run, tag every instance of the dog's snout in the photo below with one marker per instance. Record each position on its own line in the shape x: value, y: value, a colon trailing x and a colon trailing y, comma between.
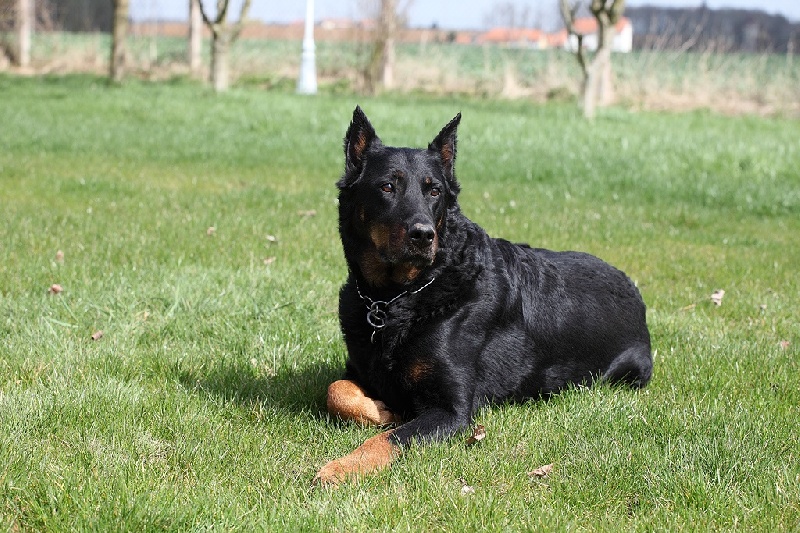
x: 421, y: 234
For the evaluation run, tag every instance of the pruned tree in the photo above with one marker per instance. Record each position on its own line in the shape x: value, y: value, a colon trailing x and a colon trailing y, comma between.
x: 597, y: 87
x: 390, y: 15
x: 223, y: 34
x: 119, y: 35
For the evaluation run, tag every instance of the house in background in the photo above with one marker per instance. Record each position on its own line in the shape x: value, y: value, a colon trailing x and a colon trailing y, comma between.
x: 623, y: 36
x: 539, y: 40
x: 514, y: 38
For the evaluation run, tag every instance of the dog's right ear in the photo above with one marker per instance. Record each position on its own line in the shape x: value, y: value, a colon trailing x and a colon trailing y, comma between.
x: 359, y: 137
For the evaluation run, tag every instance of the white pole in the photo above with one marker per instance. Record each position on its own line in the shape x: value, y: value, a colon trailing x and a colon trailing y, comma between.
x: 307, y: 83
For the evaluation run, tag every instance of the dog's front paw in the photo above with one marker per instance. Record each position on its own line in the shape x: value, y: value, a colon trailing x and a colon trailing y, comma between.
x: 375, y: 454
x: 331, y: 474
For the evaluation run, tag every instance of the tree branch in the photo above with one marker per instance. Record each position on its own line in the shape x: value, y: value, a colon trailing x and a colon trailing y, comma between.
x: 237, y: 29
x: 568, y: 15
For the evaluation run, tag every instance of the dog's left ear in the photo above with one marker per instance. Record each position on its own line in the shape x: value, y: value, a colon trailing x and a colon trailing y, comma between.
x: 445, y: 145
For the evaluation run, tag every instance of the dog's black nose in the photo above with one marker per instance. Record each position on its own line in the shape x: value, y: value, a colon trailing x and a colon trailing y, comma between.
x: 421, y: 234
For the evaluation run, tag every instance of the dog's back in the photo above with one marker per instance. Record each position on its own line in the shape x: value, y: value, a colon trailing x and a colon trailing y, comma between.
x: 577, y: 314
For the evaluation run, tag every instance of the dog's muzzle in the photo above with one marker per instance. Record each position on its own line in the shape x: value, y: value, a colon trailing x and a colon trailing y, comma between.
x: 422, y: 243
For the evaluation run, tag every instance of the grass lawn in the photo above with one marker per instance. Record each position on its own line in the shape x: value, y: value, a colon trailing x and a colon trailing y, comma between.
x: 199, y: 234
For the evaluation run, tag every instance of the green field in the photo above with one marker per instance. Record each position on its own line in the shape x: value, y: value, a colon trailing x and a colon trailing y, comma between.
x: 202, y: 405
x: 728, y: 82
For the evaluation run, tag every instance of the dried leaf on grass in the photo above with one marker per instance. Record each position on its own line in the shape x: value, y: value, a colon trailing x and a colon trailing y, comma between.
x: 60, y: 256
x: 784, y: 344
x: 269, y: 260
x: 542, y: 471
x: 478, y: 434
x: 309, y: 213
x: 55, y: 288
x: 211, y: 230
x: 717, y: 296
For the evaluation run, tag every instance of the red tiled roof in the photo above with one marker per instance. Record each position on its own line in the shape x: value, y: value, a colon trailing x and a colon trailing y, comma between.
x: 557, y: 39
x: 510, y: 35
x: 588, y: 25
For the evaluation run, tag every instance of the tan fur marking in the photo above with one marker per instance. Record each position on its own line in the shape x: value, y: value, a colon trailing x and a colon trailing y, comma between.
x: 405, y: 273
x: 360, y: 144
x: 380, y: 235
x: 375, y: 454
x: 447, y: 154
x: 373, y: 268
x: 349, y: 402
x: 418, y: 370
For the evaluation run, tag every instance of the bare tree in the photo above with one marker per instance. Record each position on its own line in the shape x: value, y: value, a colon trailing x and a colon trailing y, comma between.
x: 195, y: 36
x: 223, y: 35
x: 380, y: 67
x: 119, y: 35
x: 597, y: 84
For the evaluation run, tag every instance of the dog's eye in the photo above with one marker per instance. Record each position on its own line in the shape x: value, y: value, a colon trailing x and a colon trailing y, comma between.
x: 436, y: 191
x: 387, y: 187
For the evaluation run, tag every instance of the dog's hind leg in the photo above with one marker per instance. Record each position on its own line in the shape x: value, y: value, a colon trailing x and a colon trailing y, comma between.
x: 632, y: 366
x: 348, y: 401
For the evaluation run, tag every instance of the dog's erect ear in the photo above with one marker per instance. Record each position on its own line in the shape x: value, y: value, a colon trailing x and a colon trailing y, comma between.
x: 445, y: 145
x: 359, y: 137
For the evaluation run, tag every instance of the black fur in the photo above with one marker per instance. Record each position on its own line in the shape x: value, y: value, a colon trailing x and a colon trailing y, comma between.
x: 499, y: 321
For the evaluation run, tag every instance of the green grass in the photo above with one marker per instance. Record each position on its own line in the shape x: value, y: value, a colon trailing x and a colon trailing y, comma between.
x: 203, y: 403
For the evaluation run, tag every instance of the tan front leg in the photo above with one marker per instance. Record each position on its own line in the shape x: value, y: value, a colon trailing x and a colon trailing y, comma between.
x: 347, y: 400
x: 375, y: 454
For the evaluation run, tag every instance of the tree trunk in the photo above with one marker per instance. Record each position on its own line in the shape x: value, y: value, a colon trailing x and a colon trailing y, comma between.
x: 598, y: 83
x: 119, y: 35
x: 389, y: 23
x: 24, y: 30
x: 372, y: 71
x: 591, y: 88
x: 223, y: 35
x: 605, y: 95
x: 220, y: 72
x: 195, y: 38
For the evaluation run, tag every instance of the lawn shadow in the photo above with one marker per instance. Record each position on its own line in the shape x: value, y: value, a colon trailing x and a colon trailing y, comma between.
x: 295, y: 390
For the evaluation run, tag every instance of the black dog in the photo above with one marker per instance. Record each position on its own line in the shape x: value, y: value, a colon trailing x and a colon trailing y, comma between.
x: 440, y: 319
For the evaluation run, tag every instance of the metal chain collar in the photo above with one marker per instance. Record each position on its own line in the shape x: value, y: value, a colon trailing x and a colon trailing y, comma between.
x: 377, y: 309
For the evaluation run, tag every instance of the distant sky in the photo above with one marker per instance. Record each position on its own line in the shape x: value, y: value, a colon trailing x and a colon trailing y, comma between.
x: 451, y: 14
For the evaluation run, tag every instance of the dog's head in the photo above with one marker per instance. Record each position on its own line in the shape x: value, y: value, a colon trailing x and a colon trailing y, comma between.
x: 393, y: 202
